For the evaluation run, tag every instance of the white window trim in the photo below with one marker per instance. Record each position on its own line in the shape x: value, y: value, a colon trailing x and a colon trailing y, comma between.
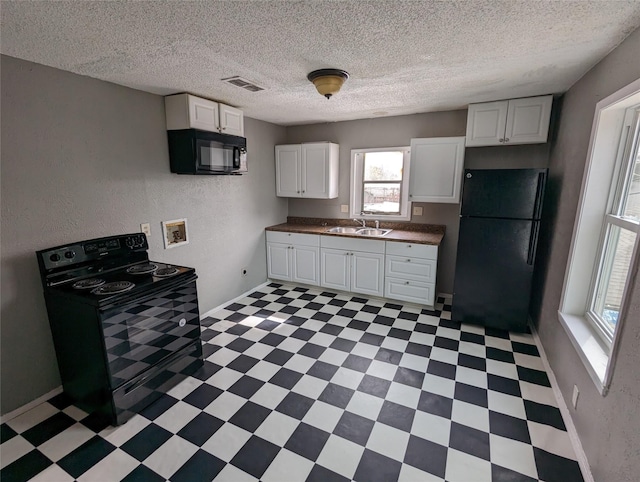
x: 357, y: 174
x: 597, y: 356
x: 610, y: 219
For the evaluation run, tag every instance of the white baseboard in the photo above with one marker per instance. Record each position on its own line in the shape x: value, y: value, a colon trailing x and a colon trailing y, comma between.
x: 583, y: 462
x: 32, y: 404
x: 243, y: 295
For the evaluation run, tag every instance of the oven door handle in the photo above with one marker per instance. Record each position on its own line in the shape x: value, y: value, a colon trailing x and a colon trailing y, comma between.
x: 136, y: 300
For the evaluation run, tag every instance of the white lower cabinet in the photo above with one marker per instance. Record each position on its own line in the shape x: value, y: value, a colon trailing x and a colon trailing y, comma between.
x: 352, y: 265
x: 389, y: 269
x: 293, y: 257
x: 410, y: 272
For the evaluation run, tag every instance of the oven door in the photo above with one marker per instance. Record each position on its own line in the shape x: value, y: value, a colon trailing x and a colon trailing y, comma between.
x: 214, y: 156
x: 147, y: 331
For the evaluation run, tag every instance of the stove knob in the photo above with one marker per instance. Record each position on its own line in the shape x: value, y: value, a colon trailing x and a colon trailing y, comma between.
x: 70, y: 254
x: 55, y: 257
x: 130, y: 242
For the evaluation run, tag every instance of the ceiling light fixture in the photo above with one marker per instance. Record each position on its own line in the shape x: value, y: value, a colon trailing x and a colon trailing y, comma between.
x: 328, y: 81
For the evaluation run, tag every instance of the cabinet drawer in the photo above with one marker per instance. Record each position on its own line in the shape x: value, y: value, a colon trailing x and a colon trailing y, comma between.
x: 412, y: 250
x: 412, y: 291
x: 351, y: 244
x: 417, y: 269
x: 293, y: 238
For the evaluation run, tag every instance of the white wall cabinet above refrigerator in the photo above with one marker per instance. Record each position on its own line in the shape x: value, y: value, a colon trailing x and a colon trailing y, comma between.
x: 509, y: 122
x: 436, y: 169
x: 186, y: 111
x: 307, y: 170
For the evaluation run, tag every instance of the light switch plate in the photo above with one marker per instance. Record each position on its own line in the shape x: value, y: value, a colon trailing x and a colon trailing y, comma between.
x: 344, y: 208
x: 574, y: 397
x: 146, y: 229
x: 417, y: 210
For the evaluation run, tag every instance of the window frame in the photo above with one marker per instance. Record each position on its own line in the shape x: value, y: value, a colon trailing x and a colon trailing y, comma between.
x: 357, y: 185
x: 602, y: 169
x: 628, y: 148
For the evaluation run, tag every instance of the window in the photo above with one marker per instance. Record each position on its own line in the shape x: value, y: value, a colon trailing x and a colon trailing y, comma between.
x: 606, y: 241
x: 380, y: 183
x: 620, y: 232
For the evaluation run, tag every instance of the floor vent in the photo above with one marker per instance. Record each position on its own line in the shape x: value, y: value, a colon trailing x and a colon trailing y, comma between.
x: 243, y: 83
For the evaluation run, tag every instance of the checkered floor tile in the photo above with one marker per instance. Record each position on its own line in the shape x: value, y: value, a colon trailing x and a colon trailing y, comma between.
x: 306, y: 385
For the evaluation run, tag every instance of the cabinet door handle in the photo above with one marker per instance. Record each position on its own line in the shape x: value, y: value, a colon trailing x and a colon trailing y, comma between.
x: 406, y: 282
x: 302, y: 192
x: 408, y: 245
x: 298, y: 192
x: 500, y: 140
x: 408, y: 260
x: 506, y: 140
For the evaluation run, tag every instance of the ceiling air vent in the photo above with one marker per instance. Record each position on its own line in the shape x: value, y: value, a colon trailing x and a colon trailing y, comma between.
x: 242, y: 83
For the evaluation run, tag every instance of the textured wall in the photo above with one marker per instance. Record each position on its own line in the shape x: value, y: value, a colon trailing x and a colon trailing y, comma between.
x: 83, y: 158
x: 608, y: 427
x: 398, y: 131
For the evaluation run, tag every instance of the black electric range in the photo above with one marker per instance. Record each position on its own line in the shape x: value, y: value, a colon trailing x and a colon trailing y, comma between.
x: 126, y: 329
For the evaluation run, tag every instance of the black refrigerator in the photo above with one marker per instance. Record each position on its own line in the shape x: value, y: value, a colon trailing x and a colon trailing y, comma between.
x: 499, y: 227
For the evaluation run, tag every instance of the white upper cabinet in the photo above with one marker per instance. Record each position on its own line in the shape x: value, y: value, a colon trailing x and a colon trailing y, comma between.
x: 436, y: 169
x: 231, y: 121
x: 288, y: 170
x: 185, y: 111
x: 307, y: 170
x: 509, y: 122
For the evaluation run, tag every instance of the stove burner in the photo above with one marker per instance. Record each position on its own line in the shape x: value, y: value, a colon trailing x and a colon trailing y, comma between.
x: 113, y: 288
x: 166, y: 272
x: 144, y: 268
x: 86, y: 284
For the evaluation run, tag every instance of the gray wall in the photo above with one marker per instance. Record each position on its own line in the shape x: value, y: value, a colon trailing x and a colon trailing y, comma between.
x: 398, y: 131
x: 82, y: 158
x: 609, y: 427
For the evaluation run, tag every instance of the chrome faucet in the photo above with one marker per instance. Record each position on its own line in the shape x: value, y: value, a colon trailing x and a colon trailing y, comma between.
x: 364, y: 223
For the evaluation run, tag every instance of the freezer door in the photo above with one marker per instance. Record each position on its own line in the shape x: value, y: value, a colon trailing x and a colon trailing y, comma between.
x: 494, y: 267
x: 503, y: 193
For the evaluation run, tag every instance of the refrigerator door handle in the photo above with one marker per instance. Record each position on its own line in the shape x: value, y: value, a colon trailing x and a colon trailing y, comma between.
x: 533, y: 243
x: 539, y: 190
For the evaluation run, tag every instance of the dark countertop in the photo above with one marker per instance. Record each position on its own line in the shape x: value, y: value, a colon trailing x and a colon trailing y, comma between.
x: 402, y: 232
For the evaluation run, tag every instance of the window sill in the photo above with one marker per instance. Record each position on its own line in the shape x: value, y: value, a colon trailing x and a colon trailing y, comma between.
x: 591, y: 351
x: 382, y: 217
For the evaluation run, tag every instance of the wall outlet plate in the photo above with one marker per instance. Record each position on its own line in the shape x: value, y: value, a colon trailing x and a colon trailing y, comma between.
x: 417, y: 210
x: 344, y: 208
x: 146, y: 229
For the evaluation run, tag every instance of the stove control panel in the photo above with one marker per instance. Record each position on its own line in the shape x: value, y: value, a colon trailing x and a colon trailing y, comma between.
x: 113, y: 246
x: 134, y: 241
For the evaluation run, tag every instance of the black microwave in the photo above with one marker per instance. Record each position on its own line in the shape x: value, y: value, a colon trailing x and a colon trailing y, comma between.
x: 192, y: 151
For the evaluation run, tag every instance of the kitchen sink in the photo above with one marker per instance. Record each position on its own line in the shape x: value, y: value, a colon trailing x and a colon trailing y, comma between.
x: 372, y: 232
x: 343, y: 230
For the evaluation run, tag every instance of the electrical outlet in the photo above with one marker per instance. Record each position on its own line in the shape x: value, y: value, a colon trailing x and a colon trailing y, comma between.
x: 146, y: 229
x: 574, y: 397
x: 344, y: 208
x: 417, y: 210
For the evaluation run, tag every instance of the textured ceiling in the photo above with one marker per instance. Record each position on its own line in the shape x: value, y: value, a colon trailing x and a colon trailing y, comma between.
x: 404, y: 57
